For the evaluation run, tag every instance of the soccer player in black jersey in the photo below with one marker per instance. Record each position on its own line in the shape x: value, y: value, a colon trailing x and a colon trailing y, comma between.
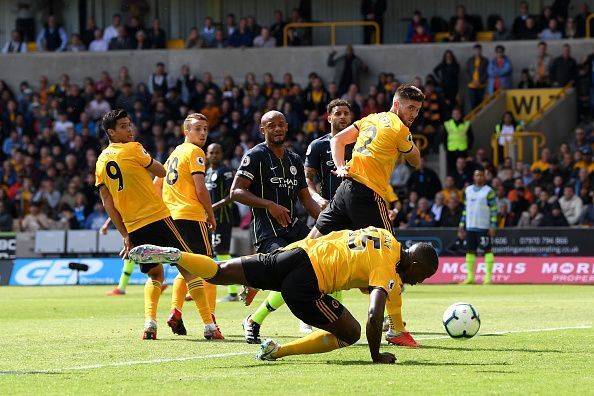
x: 218, y: 182
x: 269, y: 180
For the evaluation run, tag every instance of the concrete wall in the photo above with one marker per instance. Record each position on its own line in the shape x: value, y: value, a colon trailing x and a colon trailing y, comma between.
x: 483, y: 124
x: 406, y: 61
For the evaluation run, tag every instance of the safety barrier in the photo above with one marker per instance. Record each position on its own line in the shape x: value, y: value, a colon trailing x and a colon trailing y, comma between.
x: 518, y: 138
x: 332, y: 26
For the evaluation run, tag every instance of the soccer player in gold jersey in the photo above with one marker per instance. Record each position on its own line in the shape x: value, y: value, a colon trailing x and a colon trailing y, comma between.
x: 123, y: 178
x: 361, y: 199
x: 305, y: 272
x: 185, y: 194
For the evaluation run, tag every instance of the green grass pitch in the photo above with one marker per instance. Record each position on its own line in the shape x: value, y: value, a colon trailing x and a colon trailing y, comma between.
x: 48, y: 335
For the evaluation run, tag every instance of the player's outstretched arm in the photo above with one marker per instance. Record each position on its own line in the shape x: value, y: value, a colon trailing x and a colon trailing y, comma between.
x: 223, y: 202
x: 375, y: 319
x: 116, y: 219
x: 312, y: 207
x: 339, y: 142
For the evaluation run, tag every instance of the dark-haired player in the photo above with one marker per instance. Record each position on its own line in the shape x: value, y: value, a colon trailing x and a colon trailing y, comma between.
x: 305, y: 272
x: 361, y: 199
x: 123, y: 178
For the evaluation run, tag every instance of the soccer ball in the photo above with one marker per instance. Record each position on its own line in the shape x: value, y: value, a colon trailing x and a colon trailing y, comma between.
x: 461, y: 321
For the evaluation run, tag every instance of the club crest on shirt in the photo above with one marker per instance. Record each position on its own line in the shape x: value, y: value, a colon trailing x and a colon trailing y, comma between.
x: 145, y: 152
x: 245, y: 161
x: 200, y: 161
x: 391, y: 285
x: 409, y: 138
x: 293, y: 170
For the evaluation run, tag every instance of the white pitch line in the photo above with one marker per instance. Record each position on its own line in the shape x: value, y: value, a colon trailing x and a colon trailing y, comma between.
x: 219, y: 355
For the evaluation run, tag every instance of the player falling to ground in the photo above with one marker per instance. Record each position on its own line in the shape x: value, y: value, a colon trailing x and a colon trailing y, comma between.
x: 269, y: 180
x: 361, y: 199
x: 305, y: 272
x: 319, y: 164
x: 218, y: 182
x: 478, y: 224
x: 123, y: 178
x: 187, y: 198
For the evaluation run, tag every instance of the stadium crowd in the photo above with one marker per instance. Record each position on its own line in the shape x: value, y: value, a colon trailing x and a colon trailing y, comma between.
x: 51, y: 140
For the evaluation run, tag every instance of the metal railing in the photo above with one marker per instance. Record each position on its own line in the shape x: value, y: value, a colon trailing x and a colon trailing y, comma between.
x: 588, y: 25
x: 332, y: 26
x: 470, y: 116
x: 421, y: 141
x: 518, y: 138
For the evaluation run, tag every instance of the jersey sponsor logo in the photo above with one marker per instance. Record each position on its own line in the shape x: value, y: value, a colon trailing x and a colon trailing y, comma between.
x: 391, y: 285
x: 282, y: 182
x: 214, y: 177
x: 200, y: 161
x: 293, y: 170
x: 245, y: 161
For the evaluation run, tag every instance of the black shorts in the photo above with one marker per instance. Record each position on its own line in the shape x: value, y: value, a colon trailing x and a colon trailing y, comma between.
x: 195, y: 234
x: 221, y: 238
x: 291, y: 273
x: 297, y: 232
x: 354, y: 206
x: 162, y: 232
x: 478, y: 239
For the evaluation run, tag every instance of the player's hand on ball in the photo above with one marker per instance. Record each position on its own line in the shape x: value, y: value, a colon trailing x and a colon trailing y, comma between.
x: 342, y: 171
x: 385, y: 358
x: 280, y: 213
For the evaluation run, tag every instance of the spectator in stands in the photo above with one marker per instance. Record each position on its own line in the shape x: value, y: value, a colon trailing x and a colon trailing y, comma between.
x: 121, y: 41
x: 373, y: 10
x: 457, y: 138
x: 347, y: 68
x: 544, y: 162
x: 424, y: 181
x: 462, y: 174
x: 126, y: 99
x: 545, y: 17
x: 580, y: 20
x: 499, y: 71
x: 564, y: 68
x: 520, y: 190
x: 416, y: 21
x: 447, y: 73
x: 156, y: 36
x: 97, y: 107
x: 422, y: 216
x: 15, y: 45
x: 141, y: 42
x: 460, y: 14
x: 264, y: 40
x: 462, y: 31
x: 252, y: 26
x: 570, y: 30
x: 277, y: 28
x: 66, y: 218
x: 433, y: 110
x: 452, y: 213
x: 48, y: 194
x: 36, y: 220
x: 52, y: 38
x: 5, y: 218
x: 540, y: 68
x: 501, y: 33
x: 526, y: 81
x: 98, y: 44
x: 586, y: 161
x: 207, y: 33
x: 220, y: 40
x: 519, y: 26
x: 552, y: 31
x: 571, y: 205
x: 476, y: 72
x: 230, y: 25
x: 400, y: 176
x: 587, y: 216
x: 88, y: 35
x: 194, y: 40
x: 506, y: 130
x: 76, y: 44
x: 242, y: 36
x: 531, y: 218
x: 160, y: 80
x: 579, y: 140
x: 437, y: 208
x: 531, y: 30
x: 96, y: 218
x: 112, y: 30
x: 421, y: 35
x: 556, y: 218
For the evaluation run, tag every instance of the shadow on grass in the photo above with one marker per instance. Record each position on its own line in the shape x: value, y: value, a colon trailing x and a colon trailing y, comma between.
x: 428, y: 363
x: 445, y: 348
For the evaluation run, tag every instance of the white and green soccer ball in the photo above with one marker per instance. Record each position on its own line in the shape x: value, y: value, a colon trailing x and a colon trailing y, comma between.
x: 461, y: 321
